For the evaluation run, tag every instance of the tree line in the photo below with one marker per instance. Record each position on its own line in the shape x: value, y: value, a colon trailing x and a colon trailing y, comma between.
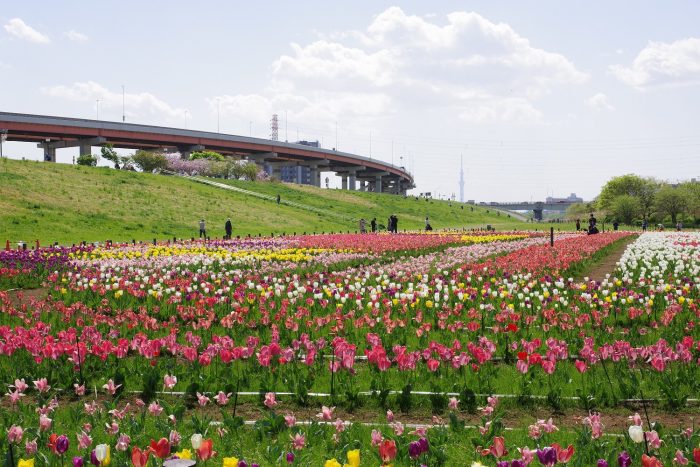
x: 631, y: 199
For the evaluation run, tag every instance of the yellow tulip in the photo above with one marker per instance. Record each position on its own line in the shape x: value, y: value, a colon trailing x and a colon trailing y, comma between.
x: 332, y: 463
x: 26, y: 462
x: 230, y: 462
x: 354, y: 458
x: 187, y: 454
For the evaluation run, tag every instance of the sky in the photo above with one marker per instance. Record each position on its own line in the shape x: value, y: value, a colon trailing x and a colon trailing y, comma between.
x: 537, y: 98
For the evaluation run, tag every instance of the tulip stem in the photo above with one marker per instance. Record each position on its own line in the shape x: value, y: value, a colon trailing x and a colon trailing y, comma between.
x: 12, y: 459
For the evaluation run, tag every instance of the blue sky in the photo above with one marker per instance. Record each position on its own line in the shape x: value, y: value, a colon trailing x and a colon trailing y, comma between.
x: 540, y: 97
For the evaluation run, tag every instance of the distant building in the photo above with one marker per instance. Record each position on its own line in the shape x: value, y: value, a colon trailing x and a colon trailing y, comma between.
x: 298, y: 174
x: 572, y: 198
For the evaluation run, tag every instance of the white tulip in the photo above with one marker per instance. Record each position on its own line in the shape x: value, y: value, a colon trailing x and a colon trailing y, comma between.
x: 196, y: 441
x: 636, y: 433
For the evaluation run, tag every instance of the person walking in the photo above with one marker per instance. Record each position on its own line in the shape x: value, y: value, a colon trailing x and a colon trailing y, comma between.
x: 279, y: 198
x: 427, y: 223
x: 644, y: 225
x: 228, y: 228
x: 202, y: 229
x: 390, y: 224
x: 578, y: 225
x: 373, y: 224
x: 395, y: 224
x: 363, y: 227
x: 616, y: 225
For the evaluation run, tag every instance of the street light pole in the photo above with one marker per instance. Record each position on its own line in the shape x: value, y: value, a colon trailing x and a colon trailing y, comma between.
x: 186, y: 113
x: 3, y: 138
x: 123, y: 104
x: 97, y: 107
x: 218, y: 115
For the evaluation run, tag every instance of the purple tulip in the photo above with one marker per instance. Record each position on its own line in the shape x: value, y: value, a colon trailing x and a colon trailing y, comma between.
x: 602, y: 463
x: 414, y: 450
x: 502, y: 464
x: 424, y: 444
x: 517, y: 463
x: 290, y: 457
x: 624, y: 459
x: 547, y: 456
x: 77, y: 461
x: 242, y: 463
x: 254, y: 464
x: 93, y: 459
x: 62, y: 444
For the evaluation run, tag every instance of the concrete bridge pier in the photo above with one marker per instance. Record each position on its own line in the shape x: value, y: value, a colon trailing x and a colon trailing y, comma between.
x: 84, y: 144
x: 344, y: 182
x: 49, y: 154
x: 186, y: 151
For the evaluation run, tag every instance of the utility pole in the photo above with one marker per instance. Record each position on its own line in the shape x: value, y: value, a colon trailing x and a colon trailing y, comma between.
x: 218, y: 115
x: 3, y: 138
x: 336, y: 135
x: 97, y: 108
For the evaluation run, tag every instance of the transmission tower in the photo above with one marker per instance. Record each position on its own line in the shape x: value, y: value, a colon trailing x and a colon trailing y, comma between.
x: 274, y: 128
x: 461, y: 179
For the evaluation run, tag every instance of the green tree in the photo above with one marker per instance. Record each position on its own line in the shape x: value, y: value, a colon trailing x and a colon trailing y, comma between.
x: 579, y: 211
x: 87, y: 159
x: 643, y: 189
x: 671, y: 201
x: 250, y: 171
x: 692, y: 191
x: 625, y: 208
x: 148, y: 161
x: 108, y: 152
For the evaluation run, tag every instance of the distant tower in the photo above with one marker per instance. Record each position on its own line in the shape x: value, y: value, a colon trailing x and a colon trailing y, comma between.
x: 274, y: 128
x: 461, y: 179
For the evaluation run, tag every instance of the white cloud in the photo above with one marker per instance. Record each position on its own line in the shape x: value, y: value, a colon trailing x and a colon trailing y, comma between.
x: 599, y: 101
x: 139, y: 105
x: 22, y: 30
x: 467, y: 66
x: 75, y: 36
x: 661, y: 63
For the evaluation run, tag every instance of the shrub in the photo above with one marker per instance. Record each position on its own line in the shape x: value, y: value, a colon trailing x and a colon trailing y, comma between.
x: 211, y: 155
x: 87, y: 159
x: 148, y: 161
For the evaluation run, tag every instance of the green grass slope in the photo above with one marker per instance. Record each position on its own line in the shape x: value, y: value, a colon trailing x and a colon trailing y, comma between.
x: 69, y: 204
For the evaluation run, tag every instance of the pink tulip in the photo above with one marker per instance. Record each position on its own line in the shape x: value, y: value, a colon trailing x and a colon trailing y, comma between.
x: 110, y: 387
x: 169, y: 381
x: 298, y: 441
x: 15, y: 434
x: 377, y: 437
x: 270, y: 400
x: 326, y: 413
x: 42, y: 385
x: 454, y: 402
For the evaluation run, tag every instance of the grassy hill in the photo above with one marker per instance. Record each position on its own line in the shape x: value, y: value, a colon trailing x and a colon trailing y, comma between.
x: 69, y: 204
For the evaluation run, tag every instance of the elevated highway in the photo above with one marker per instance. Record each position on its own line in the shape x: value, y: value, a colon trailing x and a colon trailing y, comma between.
x: 53, y: 133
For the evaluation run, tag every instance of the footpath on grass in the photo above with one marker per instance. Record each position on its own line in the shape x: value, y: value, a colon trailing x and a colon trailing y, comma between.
x: 598, y: 269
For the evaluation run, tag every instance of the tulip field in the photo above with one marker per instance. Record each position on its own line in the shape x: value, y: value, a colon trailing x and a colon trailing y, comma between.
x: 438, y: 349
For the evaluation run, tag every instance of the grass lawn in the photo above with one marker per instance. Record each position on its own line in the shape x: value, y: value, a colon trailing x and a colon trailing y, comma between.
x: 69, y: 204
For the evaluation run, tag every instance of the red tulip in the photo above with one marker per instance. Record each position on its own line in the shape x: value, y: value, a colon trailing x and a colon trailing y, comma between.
x: 696, y: 455
x: 52, y: 442
x: 205, y: 450
x: 387, y: 450
x: 139, y: 458
x: 161, y: 449
x: 651, y: 461
x: 563, y: 455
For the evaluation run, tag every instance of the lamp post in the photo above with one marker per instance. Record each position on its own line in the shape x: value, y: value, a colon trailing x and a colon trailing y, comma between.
x: 97, y: 108
x: 218, y: 115
x: 123, y: 104
x: 186, y: 114
x: 3, y: 138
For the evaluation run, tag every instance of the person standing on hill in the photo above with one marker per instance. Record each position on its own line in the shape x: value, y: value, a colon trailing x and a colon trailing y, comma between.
x: 578, y: 225
x: 390, y: 224
x: 373, y: 224
x: 394, y: 223
x: 279, y: 198
x: 202, y: 229
x: 228, y: 228
x: 363, y: 226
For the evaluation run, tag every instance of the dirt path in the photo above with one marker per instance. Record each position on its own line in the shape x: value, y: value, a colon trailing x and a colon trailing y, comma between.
x: 27, y: 296
x: 607, y: 265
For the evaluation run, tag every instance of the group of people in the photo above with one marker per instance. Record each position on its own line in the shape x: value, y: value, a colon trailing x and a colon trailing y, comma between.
x: 592, y: 225
x: 392, y: 224
x: 228, y: 228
